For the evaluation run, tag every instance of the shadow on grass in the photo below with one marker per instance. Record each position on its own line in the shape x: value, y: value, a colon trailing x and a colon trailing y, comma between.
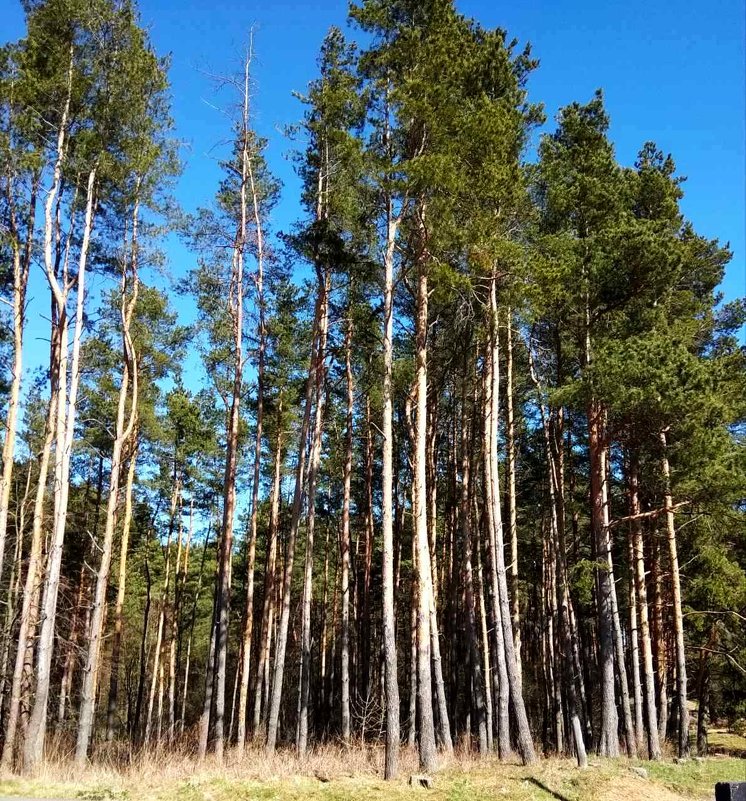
x: 542, y: 786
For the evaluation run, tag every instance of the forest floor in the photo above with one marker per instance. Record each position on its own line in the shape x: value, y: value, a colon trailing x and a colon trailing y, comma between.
x: 331, y: 774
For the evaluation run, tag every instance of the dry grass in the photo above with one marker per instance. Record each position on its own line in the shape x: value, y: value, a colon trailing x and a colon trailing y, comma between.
x: 334, y: 773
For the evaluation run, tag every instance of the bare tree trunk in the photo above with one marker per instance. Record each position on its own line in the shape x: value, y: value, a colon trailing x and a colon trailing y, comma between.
x: 14, y: 586
x: 678, y: 617
x: 515, y: 612
x: 187, y: 661
x: 175, y: 493
x: 345, y: 539
x: 249, y: 611
x: 313, y: 466
x: 703, y: 691
x: 525, y: 741
x: 609, y: 741
x: 125, y: 425
x: 634, y: 645
x: 659, y: 635
x: 654, y: 748
x: 72, y: 649
x: 629, y: 728
x: 21, y: 268
x: 28, y: 615
x: 485, y: 649
x: 270, y: 579
x: 500, y: 676
x: 66, y: 409
x: 427, y: 751
x: 476, y: 665
x: 318, y: 351
x: 116, y: 649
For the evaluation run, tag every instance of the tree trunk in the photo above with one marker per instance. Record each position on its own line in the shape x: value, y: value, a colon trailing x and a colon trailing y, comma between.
x: 427, y: 752
x: 648, y: 674
x: 116, y: 648
x: 500, y: 676
x: 313, y: 467
x: 609, y: 740
x: 66, y: 409
x: 515, y: 613
x: 318, y: 351
x: 525, y: 741
x: 125, y: 425
x: 27, y: 616
x: 678, y: 617
x: 345, y: 538
x: 249, y: 611
x: 629, y: 729
x: 476, y: 664
x: 21, y: 268
x: 270, y: 578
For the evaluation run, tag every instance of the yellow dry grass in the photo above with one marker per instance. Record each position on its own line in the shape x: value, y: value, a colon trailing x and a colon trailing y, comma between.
x: 334, y: 773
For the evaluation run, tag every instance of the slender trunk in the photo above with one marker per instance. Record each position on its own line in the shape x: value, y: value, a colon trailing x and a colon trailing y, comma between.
x: 659, y: 637
x: 71, y: 657
x: 345, y: 539
x: 66, y: 409
x: 500, y: 676
x: 28, y: 615
x: 678, y: 617
x: 648, y: 674
x: 703, y: 692
x: 249, y: 611
x: 629, y: 728
x: 635, y: 648
x: 21, y: 268
x: 477, y: 678
x: 318, y: 350
x: 116, y: 648
x: 187, y: 661
x: 175, y: 493
x: 125, y: 425
x: 427, y: 751
x: 515, y: 612
x: 265, y: 634
x: 135, y: 728
x: 313, y: 467
x: 485, y: 648
x: 609, y: 741
x: 502, y: 600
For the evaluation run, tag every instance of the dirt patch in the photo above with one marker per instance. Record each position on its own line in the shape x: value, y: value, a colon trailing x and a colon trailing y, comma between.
x: 635, y: 788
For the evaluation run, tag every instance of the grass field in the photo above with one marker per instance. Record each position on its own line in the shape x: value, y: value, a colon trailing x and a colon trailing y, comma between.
x: 336, y: 775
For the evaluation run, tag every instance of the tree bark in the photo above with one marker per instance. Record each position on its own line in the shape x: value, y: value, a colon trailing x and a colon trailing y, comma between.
x: 318, y: 350
x: 678, y: 616
x: 65, y: 428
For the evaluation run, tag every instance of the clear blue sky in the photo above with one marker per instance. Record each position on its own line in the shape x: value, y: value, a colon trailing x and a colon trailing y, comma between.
x: 672, y: 71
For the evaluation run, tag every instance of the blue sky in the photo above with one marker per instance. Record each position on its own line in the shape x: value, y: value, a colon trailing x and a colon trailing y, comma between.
x: 672, y: 71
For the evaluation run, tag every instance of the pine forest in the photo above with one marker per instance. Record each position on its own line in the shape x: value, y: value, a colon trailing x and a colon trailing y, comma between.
x: 450, y: 467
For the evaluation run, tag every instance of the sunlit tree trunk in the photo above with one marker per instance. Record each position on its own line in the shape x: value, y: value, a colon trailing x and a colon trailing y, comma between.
x: 678, y: 616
